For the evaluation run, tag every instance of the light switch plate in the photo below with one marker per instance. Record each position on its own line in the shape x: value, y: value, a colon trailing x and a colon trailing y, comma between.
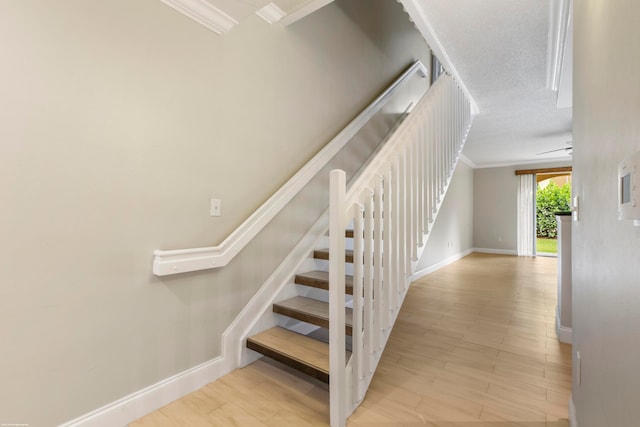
x: 216, y: 207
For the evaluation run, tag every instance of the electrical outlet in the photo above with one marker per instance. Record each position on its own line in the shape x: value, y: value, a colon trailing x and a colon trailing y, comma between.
x: 216, y: 207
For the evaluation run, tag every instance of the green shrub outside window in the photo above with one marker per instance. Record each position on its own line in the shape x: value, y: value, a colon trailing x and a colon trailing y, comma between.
x: 550, y: 200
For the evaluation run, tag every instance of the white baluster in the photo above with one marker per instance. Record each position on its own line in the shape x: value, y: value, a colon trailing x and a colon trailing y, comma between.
x: 402, y: 216
x: 422, y: 221
x: 377, y: 264
x: 432, y: 163
x: 408, y: 193
x: 413, y: 243
x: 430, y: 138
x: 452, y: 124
x: 358, y: 303
x: 417, y: 140
x: 438, y: 146
x: 368, y: 282
x: 396, y: 235
x: 386, y: 244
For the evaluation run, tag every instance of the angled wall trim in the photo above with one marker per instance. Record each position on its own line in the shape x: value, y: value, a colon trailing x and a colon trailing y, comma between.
x: 204, y: 13
x: 419, y: 17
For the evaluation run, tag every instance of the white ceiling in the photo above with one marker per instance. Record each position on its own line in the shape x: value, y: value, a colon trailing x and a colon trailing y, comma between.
x: 500, y: 51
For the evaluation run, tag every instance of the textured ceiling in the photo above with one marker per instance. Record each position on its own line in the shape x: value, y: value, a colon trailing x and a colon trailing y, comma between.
x: 499, y: 48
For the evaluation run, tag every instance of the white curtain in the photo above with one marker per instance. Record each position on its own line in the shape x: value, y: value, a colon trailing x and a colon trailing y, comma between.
x: 526, y: 215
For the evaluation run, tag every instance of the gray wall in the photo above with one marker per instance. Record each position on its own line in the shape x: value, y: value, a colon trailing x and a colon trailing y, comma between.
x: 119, y: 121
x: 495, y: 206
x: 606, y: 271
x: 452, y: 232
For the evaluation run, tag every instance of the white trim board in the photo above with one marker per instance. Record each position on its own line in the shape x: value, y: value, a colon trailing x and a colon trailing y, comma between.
x: 435, y: 267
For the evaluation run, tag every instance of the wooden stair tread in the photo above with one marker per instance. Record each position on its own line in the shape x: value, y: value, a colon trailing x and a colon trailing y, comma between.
x: 311, y: 311
x: 322, y: 334
x: 320, y: 280
x: 295, y: 350
x: 324, y: 254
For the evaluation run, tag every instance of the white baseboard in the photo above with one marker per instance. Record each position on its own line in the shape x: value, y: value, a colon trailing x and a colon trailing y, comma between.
x: 425, y: 271
x: 496, y: 251
x: 573, y: 420
x: 565, y: 334
x: 154, y: 397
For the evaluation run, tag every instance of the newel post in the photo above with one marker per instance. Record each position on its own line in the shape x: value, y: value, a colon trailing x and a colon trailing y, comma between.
x: 337, y: 360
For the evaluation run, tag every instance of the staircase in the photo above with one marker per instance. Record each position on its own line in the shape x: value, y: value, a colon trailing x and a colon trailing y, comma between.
x: 388, y: 211
x: 307, y: 353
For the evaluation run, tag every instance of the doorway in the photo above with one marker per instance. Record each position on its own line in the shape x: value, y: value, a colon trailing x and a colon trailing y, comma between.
x: 553, y: 195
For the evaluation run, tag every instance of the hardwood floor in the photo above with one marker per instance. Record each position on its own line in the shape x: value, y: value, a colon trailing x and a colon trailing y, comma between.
x: 474, y: 346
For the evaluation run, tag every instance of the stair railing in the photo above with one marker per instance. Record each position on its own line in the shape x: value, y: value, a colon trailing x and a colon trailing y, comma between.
x: 391, y: 207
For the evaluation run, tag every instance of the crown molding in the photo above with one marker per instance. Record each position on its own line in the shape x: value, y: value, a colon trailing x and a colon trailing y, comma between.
x: 271, y: 13
x: 565, y: 160
x: 204, y: 13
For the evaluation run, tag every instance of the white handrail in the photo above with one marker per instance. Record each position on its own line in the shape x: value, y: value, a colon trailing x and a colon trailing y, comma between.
x: 168, y: 262
x: 391, y: 205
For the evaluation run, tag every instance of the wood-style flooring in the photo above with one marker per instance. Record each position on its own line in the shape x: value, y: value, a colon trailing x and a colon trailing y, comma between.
x: 474, y: 346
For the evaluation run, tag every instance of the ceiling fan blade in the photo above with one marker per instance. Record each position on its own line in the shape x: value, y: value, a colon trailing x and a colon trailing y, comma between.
x: 553, y: 151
